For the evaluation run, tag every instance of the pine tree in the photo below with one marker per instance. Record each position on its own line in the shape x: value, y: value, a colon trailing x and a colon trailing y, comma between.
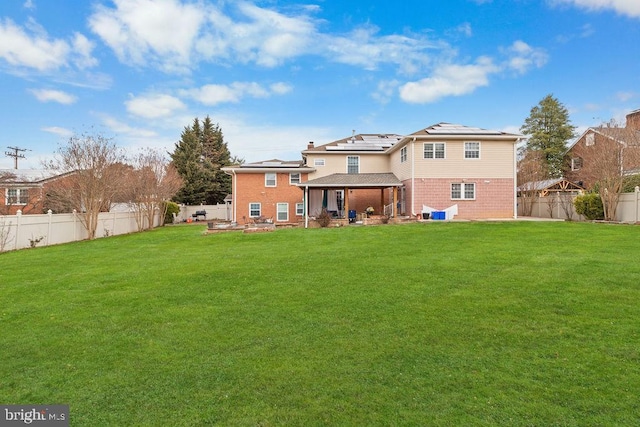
x: 198, y: 157
x: 549, y: 129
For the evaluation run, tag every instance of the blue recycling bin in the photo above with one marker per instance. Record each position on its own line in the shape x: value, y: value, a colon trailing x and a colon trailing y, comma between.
x: 438, y: 215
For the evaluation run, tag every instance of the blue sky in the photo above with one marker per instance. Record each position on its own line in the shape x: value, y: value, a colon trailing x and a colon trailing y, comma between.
x: 277, y: 74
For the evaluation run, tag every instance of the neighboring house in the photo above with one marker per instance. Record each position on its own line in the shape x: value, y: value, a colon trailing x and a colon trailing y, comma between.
x: 466, y: 171
x: 24, y: 190
x: 267, y: 190
x: 615, y: 141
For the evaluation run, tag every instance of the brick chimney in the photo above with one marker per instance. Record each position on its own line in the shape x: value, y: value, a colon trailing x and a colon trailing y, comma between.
x: 633, y: 120
x: 310, y: 145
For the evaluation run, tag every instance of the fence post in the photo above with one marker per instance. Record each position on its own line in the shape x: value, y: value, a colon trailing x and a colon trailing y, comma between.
x: 18, y: 216
x: 50, y: 214
x: 75, y: 227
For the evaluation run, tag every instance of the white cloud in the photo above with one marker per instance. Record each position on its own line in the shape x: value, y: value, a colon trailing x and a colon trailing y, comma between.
x: 62, y: 132
x: 32, y: 48
x: 154, y: 106
x: 522, y: 57
x: 449, y: 80
x: 177, y: 36
x: 629, y: 8
x: 81, y: 52
x: 385, y: 91
x: 214, y: 94
x: 363, y: 47
x: 280, y: 88
x: 49, y: 95
x: 29, y: 5
x: 140, y: 31
x: 123, y: 129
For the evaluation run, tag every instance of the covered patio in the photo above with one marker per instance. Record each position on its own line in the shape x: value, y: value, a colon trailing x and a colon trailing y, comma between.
x: 333, y: 193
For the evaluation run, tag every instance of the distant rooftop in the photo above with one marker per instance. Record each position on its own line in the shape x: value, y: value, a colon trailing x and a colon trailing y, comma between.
x: 28, y: 175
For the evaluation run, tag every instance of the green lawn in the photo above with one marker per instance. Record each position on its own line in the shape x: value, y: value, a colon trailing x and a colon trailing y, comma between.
x: 444, y: 324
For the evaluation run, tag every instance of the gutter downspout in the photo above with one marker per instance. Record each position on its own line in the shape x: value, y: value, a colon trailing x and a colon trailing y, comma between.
x: 413, y: 177
x: 306, y: 206
x: 515, y: 179
x: 234, y: 193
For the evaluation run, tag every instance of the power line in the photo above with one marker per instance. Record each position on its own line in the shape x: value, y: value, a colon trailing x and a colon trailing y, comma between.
x: 15, y: 154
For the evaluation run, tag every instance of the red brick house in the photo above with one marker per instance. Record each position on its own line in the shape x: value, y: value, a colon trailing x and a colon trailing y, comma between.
x: 267, y: 190
x: 24, y: 190
x: 621, y: 144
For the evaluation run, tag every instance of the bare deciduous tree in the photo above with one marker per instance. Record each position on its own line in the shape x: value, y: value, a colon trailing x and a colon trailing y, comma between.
x: 94, y: 164
x: 152, y: 182
x: 532, y: 169
x: 566, y: 203
x: 5, y: 236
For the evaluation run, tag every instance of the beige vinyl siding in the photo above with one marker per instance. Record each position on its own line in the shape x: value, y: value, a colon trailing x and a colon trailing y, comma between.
x: 337, y: 163
x: 496, y: 161
x: 402, y: 170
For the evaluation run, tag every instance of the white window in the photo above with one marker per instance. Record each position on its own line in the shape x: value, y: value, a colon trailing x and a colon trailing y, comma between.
x: 269, y: 179
x: 471, y: 150
x: 282, y: 212
x: 353, y: 164
x: 294, y: 178
x: 576, y: 163
x: 463, y: 191
x: 434, y: 150
x: 255, y: 210
x: 590, y: 139
x: 318, y: 162
x: 403, y: 154
x: 17, y: 196
x: 299, y: 209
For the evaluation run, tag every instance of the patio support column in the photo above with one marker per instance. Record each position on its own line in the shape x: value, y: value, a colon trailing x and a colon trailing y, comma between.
x: 395, y: 203
x: 346, y: 201
x: 382, y: 200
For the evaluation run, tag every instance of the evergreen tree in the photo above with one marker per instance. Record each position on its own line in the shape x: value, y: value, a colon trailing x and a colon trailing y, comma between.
x: 549, y: 129
x: 198, y: 157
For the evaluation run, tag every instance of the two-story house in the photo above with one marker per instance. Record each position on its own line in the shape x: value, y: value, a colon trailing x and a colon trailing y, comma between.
x: 607, y: 147
x: 466, y: 171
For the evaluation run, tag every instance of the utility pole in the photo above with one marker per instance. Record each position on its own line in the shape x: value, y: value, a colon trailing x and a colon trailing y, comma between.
x: 15, y: 154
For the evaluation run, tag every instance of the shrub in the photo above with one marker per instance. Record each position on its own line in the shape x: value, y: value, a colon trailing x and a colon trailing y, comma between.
x: 630, y: 183
x: 589, y: 205
x: 324, y: 218
x: 170, y: 209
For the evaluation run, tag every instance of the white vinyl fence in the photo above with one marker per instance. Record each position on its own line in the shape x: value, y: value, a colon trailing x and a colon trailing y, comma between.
x: 24, y: 231
x: 220, y: 211
x: 552, y: 206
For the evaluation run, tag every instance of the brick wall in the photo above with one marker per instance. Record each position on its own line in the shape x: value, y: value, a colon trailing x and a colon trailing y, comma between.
x: 250, y: 188
x: 494, y: 197
x: 633, y: 120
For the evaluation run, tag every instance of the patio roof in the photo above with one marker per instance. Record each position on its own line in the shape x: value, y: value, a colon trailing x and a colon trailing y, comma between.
x: 362, y: 180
